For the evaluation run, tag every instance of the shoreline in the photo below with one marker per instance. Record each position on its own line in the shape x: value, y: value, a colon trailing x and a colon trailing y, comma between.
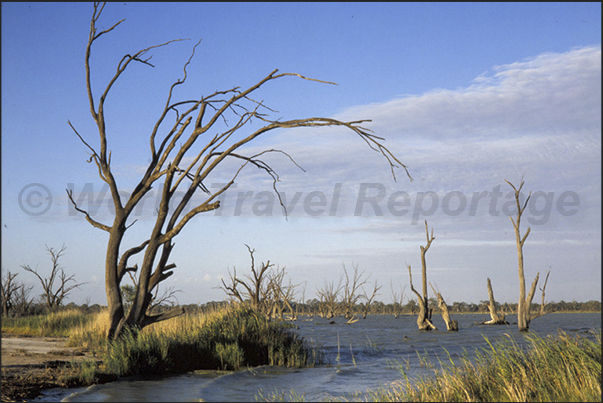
x: 31, y: 365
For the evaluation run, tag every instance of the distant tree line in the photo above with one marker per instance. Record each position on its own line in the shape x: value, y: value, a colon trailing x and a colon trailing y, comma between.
x: 312, y: 307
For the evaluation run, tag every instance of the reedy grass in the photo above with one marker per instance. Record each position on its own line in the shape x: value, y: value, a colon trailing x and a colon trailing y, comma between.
x: 555, y: 368
x: 55, y: 324
x: 229, y: 339
x: 279, y: 396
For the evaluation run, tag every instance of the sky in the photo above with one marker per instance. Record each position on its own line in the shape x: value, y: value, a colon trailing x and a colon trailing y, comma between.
x: 466, y: 95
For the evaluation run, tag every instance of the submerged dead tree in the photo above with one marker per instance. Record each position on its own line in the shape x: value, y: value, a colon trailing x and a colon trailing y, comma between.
x: 452, y: 325
x: 369, y: 299
x: 329, y: 299
x: 424, y: 318
x: 495, y: 318
x: 350, y: 292
x: 525, y: 301
x: 191, y: 140
x: 397, y: 301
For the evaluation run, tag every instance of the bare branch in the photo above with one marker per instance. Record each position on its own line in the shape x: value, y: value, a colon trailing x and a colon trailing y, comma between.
x: 123, y: 262
x: 88, y: 218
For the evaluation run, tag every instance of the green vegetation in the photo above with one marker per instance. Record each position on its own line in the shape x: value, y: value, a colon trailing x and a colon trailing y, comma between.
x: 227, y: 339
x: 54, y: 324
x: 556, y: 368
x: 234, y: 339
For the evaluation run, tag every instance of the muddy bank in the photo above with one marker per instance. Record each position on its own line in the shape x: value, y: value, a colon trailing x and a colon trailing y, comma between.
x: 32, y: 364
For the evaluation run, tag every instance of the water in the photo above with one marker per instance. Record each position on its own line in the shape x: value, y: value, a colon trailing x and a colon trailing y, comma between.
x: 365, y: 355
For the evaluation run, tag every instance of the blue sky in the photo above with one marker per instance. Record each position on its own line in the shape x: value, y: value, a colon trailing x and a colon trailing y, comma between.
x: 465, y: 94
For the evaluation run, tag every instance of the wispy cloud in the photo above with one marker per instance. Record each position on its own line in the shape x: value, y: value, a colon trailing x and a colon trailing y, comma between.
x: 540, y: 117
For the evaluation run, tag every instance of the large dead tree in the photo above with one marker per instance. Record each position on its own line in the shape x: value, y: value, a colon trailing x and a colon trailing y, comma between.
x: 58, y: 284
x: 424, y: 318
x: 182, y: 154
x: 525, y: 301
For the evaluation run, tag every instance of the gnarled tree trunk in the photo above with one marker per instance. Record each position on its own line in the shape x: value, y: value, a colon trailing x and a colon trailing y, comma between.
x: 182, y: 154
x: 495, y: 318
x: 424, y: 318
x: 452, y: 325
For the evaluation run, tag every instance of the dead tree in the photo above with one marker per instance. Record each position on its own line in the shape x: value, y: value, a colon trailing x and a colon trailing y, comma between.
x: 22, y: 301
x: 542, y: 303
x: 168, y: 297
x: 351, y: 296
x: 300, y: 305
x: 55, y: 296
x: 452, y: 325
x: 525, y: 302
x: 203, y: 135
x: 397, y: 301
x: 495, y: 318
x: 279, y: 296
x: 424, y: 318
x: 369, y: 299
x: 10, y: 288
x: 329, y: 299
x: 254, y: 286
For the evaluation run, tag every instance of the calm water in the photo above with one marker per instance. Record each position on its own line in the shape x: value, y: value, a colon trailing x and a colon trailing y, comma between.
x: 365, y: 355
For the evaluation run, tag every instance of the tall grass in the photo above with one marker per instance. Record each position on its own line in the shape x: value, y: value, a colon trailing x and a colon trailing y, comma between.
x: 555, y: 368
x: 228, y: 340
x: 55, y: 324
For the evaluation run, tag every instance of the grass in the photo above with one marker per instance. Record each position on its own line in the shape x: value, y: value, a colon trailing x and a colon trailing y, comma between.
x: 230, y: 339
x: 54, y: 324
x: 555, y: 368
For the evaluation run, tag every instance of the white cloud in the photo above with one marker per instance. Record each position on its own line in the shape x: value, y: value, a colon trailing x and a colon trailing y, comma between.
x: 551, y: 93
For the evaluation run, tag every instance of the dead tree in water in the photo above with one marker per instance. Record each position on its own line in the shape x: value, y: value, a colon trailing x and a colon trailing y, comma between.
x: 397, y: 304
x: 452, y: 325
x: 424, y: 318
x: 279, y: 296
x: 542, y: 310
x: 523, y: 307
x: 496, y: 319
x: 369, y: 300
x: 329, y: 299
x: 350, y: 289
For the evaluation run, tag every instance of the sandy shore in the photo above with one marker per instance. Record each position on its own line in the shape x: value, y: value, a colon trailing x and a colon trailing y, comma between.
x: 32, y: 364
